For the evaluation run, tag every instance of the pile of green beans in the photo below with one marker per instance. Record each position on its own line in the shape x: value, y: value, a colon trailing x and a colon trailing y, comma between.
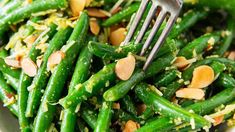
x: 82, y: 90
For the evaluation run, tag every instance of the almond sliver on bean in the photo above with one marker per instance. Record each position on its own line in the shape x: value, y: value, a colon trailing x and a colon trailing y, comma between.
x: 131, y: 126
x: 218, y: 120
x: 94, y: 26
x: 231, y: 55
x: 190, y: 93
x: 93, y: 12
x: 181, y: 62
x: 55, y: 59
x: 117, y: 36
x: 125, y: 67
x: 29, y: 67
x: 203, y: 76
x: 12, y: 62
x: 77, y: 6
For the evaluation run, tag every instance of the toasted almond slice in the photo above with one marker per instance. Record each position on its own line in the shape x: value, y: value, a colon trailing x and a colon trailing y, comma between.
x: 116, y: 10
x: 117, y: 36
x: 231, y: 55
x: 131, y: 126
x: 93, y: 12
x: 94, y: 26
x: 77, y: 6
x: 29, y: 67
x: 218, y: 120
x: 181, y: 62
x: 125, y: 67
x: 30, y: 40
x: 116, y: 106
x: 190, y: 93
x: 203, y: 76
x: 55, y: 59
x: 12, y: 62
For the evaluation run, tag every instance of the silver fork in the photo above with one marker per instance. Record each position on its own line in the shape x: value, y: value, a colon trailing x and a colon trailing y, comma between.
x: 170, y: 8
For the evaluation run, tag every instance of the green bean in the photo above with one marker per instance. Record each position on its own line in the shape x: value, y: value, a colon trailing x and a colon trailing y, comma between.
x: 14, y: 83
x: 158, y: 124
x: 198, y: 45
x: 40, y: 80
x: 7, y: 96
x: 166, y: 78
x: 104, y: 117
x: 8, y: 8
x: 201, y: 108
x: 80, y: 75
x: 94, y: 84
x: 109, y: 52
x: 3, y: 53
x: 26, y: 11
x: 10, y: 80
x: 227, y: 40
x: 226, y: 81
x: 122, y: 88
x: 121, y: 115
x: 60, y: 75
x: 164, y: 107
x: 24, y: 83
x: 218, y: 68
x: 170, y: 90
x: 227, y: 5
x: 205, y: 107
x: 89, y: 115
x: 120, y: 16
x: 188, y: 20
x: 147, y: 113
x: 128, y: 105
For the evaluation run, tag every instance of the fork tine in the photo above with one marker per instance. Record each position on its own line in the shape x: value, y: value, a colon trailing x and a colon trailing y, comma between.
x: 147, y: 21
x: 138, y: 16
x: 156, y: 27
x: 160, y: 41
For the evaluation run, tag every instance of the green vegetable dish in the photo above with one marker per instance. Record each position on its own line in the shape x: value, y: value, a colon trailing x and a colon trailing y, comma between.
x: 62, y: 67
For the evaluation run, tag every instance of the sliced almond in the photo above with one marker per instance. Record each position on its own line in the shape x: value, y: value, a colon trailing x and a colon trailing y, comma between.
x: 77, y: 6
x: 231, y: 55
x: 94, y: 12
x: 190, y: 93
x: 116, y: 10
x: 125, y: 67
x: 55, y: 59
x: 203, y: 76
x: 117, y: 36
x: 12, y: 62
x: 30, y: 40
x: 116, y: 106
x: 181, y: 62
x: 131, y: 126
x: 29, y: 67
x: 218, y: 120
x: 94, y: 26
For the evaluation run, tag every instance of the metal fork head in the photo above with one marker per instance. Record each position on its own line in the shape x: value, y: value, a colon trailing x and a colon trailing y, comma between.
x: 170, y: 8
